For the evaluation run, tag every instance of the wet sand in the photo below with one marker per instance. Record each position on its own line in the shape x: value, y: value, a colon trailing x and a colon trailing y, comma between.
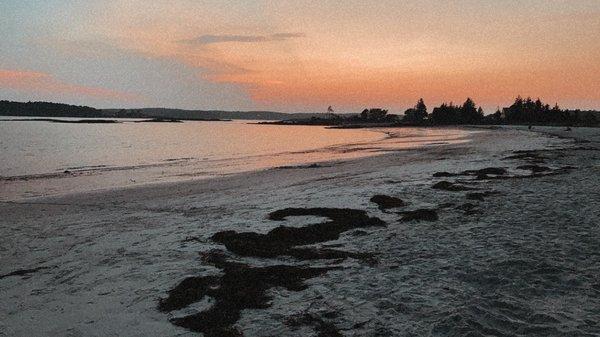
x: 497, y: 236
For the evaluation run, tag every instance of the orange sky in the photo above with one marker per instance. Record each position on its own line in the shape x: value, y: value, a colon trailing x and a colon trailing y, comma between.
x: 41, y: 82
x: 304, y: 56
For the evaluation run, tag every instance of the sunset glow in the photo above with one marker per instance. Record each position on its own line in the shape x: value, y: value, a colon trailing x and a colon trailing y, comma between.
x: 300, y: 56
x: 28, y: 81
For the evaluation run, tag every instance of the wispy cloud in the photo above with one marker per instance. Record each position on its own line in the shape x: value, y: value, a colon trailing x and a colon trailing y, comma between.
x: 42, y: 82
x: 211, y: 39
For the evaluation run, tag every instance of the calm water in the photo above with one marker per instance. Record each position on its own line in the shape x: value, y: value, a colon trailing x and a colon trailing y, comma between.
x: 40, y: 158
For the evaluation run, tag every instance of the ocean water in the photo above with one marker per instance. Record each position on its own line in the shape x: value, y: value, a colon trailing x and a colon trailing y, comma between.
x: 40, y: 158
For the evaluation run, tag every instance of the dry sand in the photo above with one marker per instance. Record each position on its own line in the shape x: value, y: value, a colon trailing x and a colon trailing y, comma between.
x: 512, y: 252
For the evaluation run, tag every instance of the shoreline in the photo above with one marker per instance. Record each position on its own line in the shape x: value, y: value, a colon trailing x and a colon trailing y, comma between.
x: 511, y: 207
x: 133, y: 176
x: 548, y: 131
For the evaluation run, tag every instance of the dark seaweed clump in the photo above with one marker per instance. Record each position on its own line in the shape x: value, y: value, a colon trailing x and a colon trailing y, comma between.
x: 452, y: 187
x: 486, y: 171
x: 245, y: 287
x: 480, y: 174
x: 444, y: 174
x: 496, y: 173
x: 281, y: 241
x: 385, y: 202
x: 241, y: 287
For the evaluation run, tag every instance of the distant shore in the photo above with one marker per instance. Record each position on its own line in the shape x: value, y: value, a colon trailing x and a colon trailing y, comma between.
x: 358, y: 125
x: 524, y: 111
x: 107, y: 121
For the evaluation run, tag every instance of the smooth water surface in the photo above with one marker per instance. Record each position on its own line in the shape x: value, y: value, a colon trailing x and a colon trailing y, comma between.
x: 40, y: 158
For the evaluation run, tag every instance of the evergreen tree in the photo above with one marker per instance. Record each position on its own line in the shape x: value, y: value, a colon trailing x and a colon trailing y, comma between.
x: 417, y: 114
x: 421, y: 109
x: 468, y: 112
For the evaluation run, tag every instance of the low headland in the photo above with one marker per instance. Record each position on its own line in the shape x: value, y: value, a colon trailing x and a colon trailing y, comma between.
x: 521, y: 112
x: 524, y: 111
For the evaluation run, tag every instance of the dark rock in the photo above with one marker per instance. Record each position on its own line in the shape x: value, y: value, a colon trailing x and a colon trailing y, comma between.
x: 79, y: 121
x: 160, y: 120
x: 385, y: 202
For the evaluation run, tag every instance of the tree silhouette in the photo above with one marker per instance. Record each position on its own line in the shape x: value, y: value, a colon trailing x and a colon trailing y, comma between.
x: 416, y: 114
x: 421, y: 108
x: 446, y: 114
x: 373, y: 114
x: 469, y: 114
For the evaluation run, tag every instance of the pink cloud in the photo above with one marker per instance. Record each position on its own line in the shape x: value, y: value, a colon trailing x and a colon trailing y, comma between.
x: 31, y: 81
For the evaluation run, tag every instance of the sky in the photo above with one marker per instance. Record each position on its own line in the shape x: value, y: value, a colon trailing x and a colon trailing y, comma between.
x: 300, y: 56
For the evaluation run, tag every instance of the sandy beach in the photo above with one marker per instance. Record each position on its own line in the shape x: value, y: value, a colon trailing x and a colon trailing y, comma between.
x: 495, y: 236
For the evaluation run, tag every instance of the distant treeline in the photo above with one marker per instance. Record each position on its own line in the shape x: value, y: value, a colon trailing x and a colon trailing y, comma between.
x: 522, y: 111
x: 48, y: 109
x: 8, y: 108
x: 527, y: 111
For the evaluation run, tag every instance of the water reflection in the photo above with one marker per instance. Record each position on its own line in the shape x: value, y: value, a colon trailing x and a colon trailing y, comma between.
x: 41, y: 158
